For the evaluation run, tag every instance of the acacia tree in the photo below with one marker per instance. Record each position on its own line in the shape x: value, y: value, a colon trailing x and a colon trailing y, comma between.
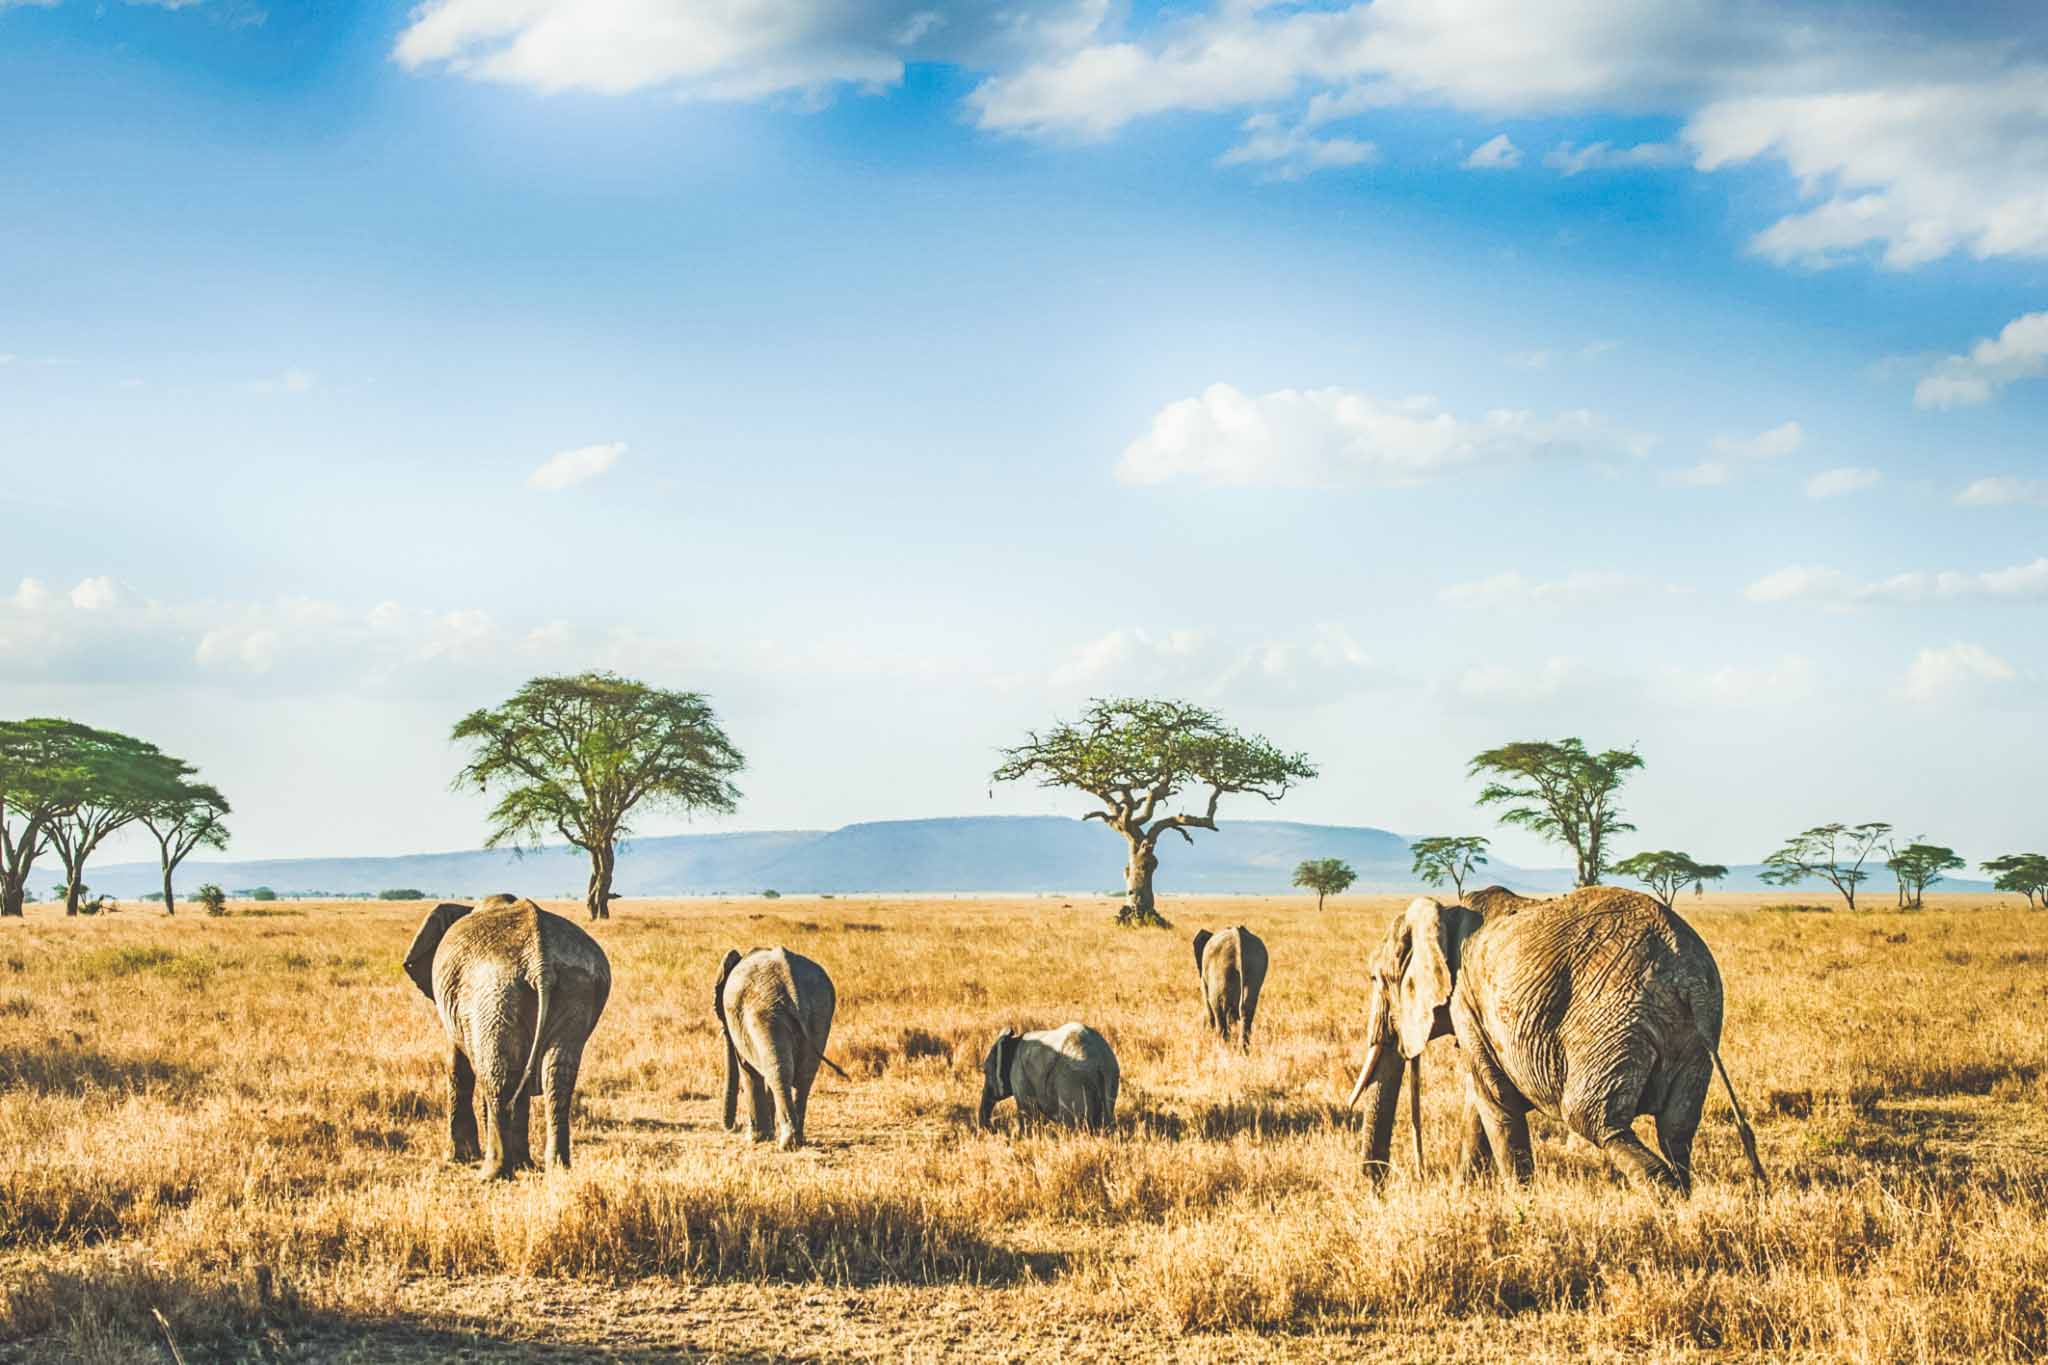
x: 193, y: 814
x: 1667, y: 873
x: 1136, y: 754
x: 1561, y: 792
x: 1448, y: 858
x: 577, y: 756
x: 2024, y: 873
x: 33, y: 790
x: 1918, y: 866
x: 1325, y: 877
x: 1835, y: 853
x: 109, y: 781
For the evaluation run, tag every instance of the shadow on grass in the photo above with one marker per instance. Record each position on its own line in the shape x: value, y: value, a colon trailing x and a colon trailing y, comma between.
x: 1221, y: 1122
x: 54, y: 1068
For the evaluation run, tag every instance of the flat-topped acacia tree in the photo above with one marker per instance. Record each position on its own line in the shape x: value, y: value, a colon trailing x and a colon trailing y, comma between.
x: 1134, y: 755
x: 577, y: 755
x: 192, y: 814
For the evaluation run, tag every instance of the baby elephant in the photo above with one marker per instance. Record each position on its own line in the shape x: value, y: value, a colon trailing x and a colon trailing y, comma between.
x: 1233, y: 970
x: 776, y: 1009
x: 518, y: 991
x: 1066, y: 1074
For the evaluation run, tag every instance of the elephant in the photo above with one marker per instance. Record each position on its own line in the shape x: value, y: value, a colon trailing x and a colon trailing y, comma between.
x: 775, y: 1008
x: 1066, y: 1074
x: 1232, y: 967
x: 1495, y: 901
x: 1592, y: 1009
x: 519, y: 991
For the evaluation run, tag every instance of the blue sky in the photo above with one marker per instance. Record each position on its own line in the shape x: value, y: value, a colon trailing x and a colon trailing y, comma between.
x: 1401, y: 378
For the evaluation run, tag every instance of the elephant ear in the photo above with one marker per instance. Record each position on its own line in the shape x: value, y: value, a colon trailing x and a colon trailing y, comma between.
x: 732, y: 960
x: 1005, y: 1054
x: 419, y: 958
x: 1202, y: 937
x: 1427, y: 978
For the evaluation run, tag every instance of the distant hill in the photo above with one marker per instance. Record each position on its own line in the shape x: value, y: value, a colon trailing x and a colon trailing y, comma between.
x: 1018, y: 853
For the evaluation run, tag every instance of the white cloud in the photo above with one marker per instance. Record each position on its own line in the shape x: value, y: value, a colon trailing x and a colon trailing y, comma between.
x: 1497, y: 153
x: 1782, y: 439
x: 1605, y: 156
x: 32, y: 595
x: 1520, y: 682
x: 290, y: 381
x: 2019, y: 351
x: 1793, y: 678
x: 1953, y: 669
x: 1834, y: 483
x: 2005, y: 492
x: 97, y: 594
x: 1544, y: 357
x: 1293, y: 152
x: 1322, y: 438
x: 1512, y: 590
x: 570, y: 467
x: 1307, y: 668
x: 736, y: 50
x: 253, y: 650
x: 1799, y: 583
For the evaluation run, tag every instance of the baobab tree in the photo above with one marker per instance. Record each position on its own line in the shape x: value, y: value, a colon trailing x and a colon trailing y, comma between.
x: 1136, y: 754
x: 576, y: 756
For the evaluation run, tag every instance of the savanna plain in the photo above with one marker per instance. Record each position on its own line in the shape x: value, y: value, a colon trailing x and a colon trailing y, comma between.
x: 239, y: 1123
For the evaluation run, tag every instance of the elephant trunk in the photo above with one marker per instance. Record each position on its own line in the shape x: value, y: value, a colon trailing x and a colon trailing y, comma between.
x: 1415, y: 1107
x: 1380, y: 1083
x: 985, y: 1116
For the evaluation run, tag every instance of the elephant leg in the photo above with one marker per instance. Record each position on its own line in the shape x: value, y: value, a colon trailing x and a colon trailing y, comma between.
x: 462, y: 1141
x: 504, y: 1148
x: 1607, y: 1121
x: 1476, y: 1156
x: 800, y: 1100
x: 1251, y: 1007
x: 1503, y: 1111
x: 761, y: 1123
x: 519, y: 1131
x: 1679, y: 1120
x: 1631, y: 1157
x: 558, y: 1077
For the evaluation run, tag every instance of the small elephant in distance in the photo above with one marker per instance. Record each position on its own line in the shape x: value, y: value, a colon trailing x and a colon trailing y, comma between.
x: 518, y: 991
x: 1232, y: 966
x: 1065, y: 1075
x: 775, y: 1008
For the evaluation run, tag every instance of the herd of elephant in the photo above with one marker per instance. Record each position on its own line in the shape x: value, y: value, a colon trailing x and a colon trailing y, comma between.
x: 1593, y: 1009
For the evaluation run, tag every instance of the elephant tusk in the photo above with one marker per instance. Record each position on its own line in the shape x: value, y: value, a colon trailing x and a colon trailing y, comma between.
x: 1415, y: 1107
x: 1372, y: 1061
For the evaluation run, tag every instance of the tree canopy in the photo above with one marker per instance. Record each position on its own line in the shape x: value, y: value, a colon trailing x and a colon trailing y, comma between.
x: 577, y: 756
x: 1448, y: 858
x: 1134, y: 755
x: 1918, y: 866
x: 1324, y: 876
x: 2024, y: 873
x: 191, y: 815
x: 1667, y: 873
x: 1561, y: 792
x: 1835, y: 853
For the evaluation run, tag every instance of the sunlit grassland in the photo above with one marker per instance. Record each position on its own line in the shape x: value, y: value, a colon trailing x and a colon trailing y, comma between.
x: 239, y: 1122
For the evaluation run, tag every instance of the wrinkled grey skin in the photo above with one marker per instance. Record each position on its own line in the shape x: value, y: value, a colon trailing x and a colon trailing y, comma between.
x: 1592, y: 1009
x: 1232, y: 965
x: 1062, y: 1075
x: 776, y: 1009
x: 518, y: 991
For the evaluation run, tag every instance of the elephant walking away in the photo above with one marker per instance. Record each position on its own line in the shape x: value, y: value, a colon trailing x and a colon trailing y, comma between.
x: 1232, y: 965
x: 1066, y: 1075
x: 776, y: 1009
x: 1593, y: 1009
x: 518, y: 991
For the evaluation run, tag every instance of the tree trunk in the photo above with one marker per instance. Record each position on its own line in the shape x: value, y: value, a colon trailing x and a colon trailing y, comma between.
x: 602, y: 861
x: 170, y: 906
x: 1319, y: 902
x: 1139, y: 907
x: 10, y: 897
x: 71, y: 889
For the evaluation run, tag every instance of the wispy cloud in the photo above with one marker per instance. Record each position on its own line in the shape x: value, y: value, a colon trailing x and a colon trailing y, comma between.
x: 2005, y: 492
x: 1782, y: 439
x: 2019, y: 351
x: 1497, y: 153
x: 1512, y: 590
x: 1603, y: 156
x: 1946, y: 672
x: 570, y: 467
x: 1801, y: 583
x: 1835, y: 483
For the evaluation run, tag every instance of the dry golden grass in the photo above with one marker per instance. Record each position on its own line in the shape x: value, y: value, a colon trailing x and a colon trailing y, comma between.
x: 238, y: 1122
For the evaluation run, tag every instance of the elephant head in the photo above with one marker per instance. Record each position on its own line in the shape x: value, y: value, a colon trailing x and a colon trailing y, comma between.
x: 732, y: 1056
x: 419, y: 958
x: 995, y: 1073
x: 1413, y: 972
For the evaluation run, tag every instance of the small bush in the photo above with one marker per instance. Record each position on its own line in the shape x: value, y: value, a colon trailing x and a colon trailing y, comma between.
x: 212, y: 898
x: 401, y: 893
x: 771, y: 894
x: 262, y: 893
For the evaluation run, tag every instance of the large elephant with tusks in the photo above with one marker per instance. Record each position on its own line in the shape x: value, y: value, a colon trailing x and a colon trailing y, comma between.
x: 518, y: 991
x: 1592, y: 1009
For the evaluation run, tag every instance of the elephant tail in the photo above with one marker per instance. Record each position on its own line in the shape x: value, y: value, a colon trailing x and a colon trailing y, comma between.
x: 1742, y: 1128
x: 812, y: 1044
x: 527, y: 1077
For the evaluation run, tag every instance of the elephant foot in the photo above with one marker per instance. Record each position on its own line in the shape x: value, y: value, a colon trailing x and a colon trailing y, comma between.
x: 789, y: 1142
x: 465, y: 1156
